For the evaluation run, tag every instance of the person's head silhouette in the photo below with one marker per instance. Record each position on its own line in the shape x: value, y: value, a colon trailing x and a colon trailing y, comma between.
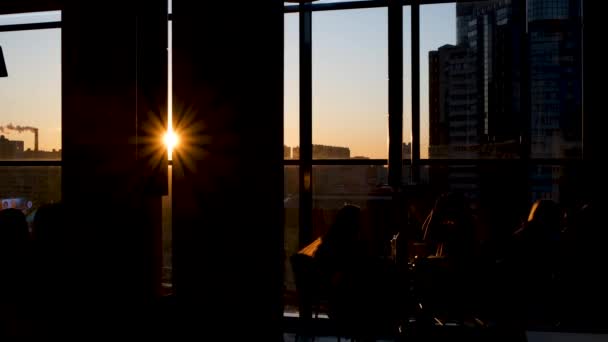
x: 346, y: 227
x: 14, y: 234
x: 48, y: 224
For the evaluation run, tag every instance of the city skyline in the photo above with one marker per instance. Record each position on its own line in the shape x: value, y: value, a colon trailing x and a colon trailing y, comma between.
x: 350, y: 72
x: 350, y: 92
x: 32, y: 93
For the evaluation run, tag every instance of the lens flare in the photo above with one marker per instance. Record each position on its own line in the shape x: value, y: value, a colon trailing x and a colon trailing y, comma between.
x: 171, y: 141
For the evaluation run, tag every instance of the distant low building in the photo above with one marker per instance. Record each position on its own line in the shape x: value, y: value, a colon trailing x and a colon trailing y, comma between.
x: 10, y: 149
x: 325, y: 152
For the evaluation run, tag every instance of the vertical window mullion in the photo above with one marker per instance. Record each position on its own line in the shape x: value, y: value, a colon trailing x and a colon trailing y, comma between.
x: 305, y: 174
x: 395, y: 92
x: 415, y: 17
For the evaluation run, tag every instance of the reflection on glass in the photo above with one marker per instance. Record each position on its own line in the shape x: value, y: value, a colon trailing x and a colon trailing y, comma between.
x: 28, y: 187
x: 30, y: 125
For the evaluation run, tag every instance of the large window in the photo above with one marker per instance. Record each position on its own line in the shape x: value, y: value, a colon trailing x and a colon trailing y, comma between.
x: 30, y: 123
x: 497, y: 118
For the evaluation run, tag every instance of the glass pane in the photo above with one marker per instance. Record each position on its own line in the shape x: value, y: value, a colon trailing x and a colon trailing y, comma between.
x: 28, y: 187
x: 555, y: 44
x: 485, y: 94
x: 30, y: 18
x: 30, y: 126
x: 360, y: 185
x: 350, y: 88
x: 291, y: 134
x: 291, y: 235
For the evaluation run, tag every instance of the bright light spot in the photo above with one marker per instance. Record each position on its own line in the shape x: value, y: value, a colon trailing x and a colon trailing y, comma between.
x: 171, y: 141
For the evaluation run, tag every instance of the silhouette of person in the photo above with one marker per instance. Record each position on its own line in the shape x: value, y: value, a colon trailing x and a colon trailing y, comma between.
x: 15, y: 265
x: 51, y: 258
x: 534, y: 262
x: 359, y: 289
x: 449, y: 228
x: 340, y: 247
x: 446, y: 279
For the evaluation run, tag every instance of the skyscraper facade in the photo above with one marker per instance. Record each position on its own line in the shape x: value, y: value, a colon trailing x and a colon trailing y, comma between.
x: 555, y: 55
x: 510, y: 87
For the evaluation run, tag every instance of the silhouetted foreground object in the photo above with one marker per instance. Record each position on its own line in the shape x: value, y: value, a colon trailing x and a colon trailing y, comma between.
x: 532, y: 267
x: 583, y: 283
x: 51, y: 256
x: 449, y: 229
x: 358, y: 289
x: 446, y: 281
x: 15, y: 283
x: 14, y: 236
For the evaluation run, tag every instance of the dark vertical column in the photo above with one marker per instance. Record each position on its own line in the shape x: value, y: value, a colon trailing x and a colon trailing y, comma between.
x: 228, y: 169
x: 591, y: 94
x: 305, y: 179
x: 395, y: 93
x: 415, y: 14
x: 593, y: 73
x: 151, y: 121
x: 109, y: 75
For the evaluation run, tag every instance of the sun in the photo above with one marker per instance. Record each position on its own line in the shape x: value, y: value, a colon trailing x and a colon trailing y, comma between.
x: 171, y: 140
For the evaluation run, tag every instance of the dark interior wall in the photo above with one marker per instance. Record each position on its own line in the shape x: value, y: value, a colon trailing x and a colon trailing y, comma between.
x: 594, y: 74
x: 114, y: 83
x: 21, y: 6
x: 228, y: 174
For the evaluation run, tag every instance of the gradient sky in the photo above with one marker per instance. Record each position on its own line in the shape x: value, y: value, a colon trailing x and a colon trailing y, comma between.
x: 350, y: 70
x: 31, y: 95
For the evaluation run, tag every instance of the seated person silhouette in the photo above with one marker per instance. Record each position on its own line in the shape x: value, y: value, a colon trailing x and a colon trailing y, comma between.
x: 15, y: 287
x: 444, y: 280
x: 14, y: 237
x: 449, y: 230
x: 358, y: 290
x: 533, y: 262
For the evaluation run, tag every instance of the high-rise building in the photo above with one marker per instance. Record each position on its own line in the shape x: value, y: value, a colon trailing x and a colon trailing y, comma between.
x: 514, y: 76
x: 454, y: 115
x: 555, y: 38
x: 494, y: 33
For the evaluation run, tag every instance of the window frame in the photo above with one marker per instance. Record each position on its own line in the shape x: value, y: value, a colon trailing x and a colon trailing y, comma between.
x: 30, y: 27
x: 395, y: 163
